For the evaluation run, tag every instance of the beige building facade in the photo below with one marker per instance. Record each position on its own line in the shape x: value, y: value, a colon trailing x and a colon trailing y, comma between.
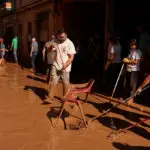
x: 42, y: 18
x: 31, y: 18
x: 34, y: 18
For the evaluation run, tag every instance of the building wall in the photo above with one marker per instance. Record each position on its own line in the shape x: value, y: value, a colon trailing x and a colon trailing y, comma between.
x: 22, y: 3
x: 84, y: 19
x: 38, y: 18
x: 34, y: 18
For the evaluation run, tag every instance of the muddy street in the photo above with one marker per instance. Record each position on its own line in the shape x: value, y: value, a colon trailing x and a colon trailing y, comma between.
x: 26, y: 124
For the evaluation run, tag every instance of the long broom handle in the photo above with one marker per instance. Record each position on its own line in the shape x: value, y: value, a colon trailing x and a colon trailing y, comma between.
x: 136, y: 124
x: 117, y: 81
x: 145, y: 88
x: 107, y: 111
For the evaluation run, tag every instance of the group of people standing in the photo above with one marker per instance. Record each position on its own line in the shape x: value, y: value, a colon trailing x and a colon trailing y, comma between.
x: 14, y: 48
x: 132, y: 64
x: 60, y: 51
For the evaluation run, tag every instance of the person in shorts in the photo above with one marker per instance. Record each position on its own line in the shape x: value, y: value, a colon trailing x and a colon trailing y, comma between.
x: 65, y: 51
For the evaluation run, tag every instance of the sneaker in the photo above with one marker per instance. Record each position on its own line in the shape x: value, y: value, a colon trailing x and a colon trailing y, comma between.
x: 130, y: 101
x: 32, y: 70
x: 47, y: 101
x: 16, y: 64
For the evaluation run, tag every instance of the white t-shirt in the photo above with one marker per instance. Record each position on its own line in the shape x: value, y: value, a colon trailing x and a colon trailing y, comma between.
x: 50, y: 55
x: 134, y: 55
x: 63, y: 49
x: 109, y: 50
x: 116, y: 50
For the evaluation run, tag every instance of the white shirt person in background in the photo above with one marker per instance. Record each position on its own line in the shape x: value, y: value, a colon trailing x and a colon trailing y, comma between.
x: 113, y: 63
x: 33, y: 53
x: 65, y: 51
x: 49, y: 55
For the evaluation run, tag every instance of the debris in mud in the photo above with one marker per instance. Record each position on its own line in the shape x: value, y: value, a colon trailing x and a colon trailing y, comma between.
x: 76, y: 125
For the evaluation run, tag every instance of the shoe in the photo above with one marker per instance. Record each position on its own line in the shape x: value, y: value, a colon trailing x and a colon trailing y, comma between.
x: 16, y: 62
x: 32, y: 70
x: 47, y: 101
x: 121, y: 99
x: 130, y: 101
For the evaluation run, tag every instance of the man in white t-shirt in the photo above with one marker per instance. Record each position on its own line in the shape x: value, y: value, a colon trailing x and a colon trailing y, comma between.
x: 65, y: 51
x: 132, y: 67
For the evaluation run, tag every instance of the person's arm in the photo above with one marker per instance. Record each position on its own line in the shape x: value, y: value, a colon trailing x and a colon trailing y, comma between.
x: 133, y: 62
x: 6, y: 50
x: 112, y: 54
x: 71, y: 53
x: 12, y: 44
x: 111, y: 58
x: 145, y: 82
x: 31, y: 51
x: 43, y: 52
x: 69, y: 61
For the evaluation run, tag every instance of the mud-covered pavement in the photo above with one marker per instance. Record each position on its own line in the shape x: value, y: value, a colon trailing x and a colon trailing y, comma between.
x: 25, y: 123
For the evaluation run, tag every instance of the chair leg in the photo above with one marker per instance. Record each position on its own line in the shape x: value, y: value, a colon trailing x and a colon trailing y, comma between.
x: 87, y: 94
x: 83, y: 116
x: 60, y: 114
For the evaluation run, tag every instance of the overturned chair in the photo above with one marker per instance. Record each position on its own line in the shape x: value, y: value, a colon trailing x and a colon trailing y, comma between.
x: 71, y: 98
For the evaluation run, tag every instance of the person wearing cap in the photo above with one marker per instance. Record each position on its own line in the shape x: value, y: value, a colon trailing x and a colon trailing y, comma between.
x: 132, y: 68
x: 33, y: 53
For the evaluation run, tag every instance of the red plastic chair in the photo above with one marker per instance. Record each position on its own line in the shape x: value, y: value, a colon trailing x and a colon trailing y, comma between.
x: 71, y: 98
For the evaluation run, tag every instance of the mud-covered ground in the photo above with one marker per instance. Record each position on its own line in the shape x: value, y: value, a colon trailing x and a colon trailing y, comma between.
x: 26, y: 124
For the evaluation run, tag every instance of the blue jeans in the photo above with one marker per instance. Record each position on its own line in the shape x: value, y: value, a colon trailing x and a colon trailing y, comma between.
x: 15, y: 55
x: 34, y: 54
